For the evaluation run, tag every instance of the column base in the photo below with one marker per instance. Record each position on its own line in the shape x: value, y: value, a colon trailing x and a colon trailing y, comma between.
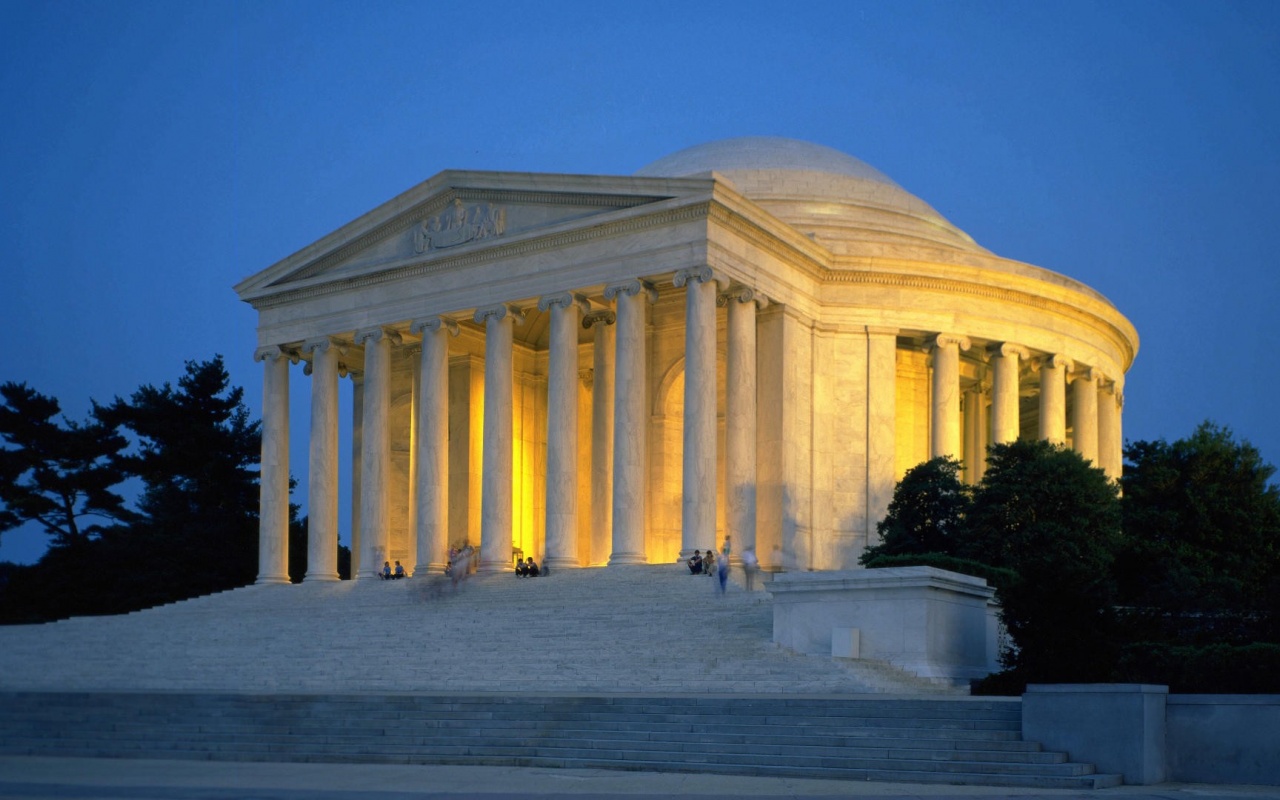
x: 429, y: 569
x: 625, y: 559
x: 495, y: 566
x: 562, y: 562
x: 266, y: 580
x: 323, y: 578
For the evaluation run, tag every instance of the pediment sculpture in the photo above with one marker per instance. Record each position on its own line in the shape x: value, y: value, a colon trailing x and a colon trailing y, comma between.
x: 458, y: 224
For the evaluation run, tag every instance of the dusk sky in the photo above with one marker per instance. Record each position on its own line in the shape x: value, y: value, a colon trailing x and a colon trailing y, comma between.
x: 156, y: 153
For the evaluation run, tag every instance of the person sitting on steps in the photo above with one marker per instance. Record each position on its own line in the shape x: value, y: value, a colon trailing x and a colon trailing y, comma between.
x: 709, y: 563
x: 695, y: 563
x: 530, y: 568
x: 399, y: 573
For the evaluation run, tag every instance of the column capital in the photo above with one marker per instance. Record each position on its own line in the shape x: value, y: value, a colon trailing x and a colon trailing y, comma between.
x: 274, y: 351
x: 1083, y: 372
x: 433, y: 324
x: 1010, y: 349
x: 1054, y: 361
x: 499, y: 312
x: 602, y: 316
x: 702, y: 274
x: 564, y: 299
x: 631, y: 288
x: 376, y: 334
x: 944, y: 339
x: 742, y: 294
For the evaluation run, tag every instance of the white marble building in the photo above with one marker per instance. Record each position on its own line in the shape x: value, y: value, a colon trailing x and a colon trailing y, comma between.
x: 754, y: 337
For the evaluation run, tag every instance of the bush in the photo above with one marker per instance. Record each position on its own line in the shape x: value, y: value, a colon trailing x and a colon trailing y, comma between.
x: 1214, y: 669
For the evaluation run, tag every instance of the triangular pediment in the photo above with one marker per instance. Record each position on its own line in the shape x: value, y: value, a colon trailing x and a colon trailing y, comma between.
x: 462, y: 212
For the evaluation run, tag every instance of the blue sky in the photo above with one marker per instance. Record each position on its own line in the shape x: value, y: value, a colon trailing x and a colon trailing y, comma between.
x: 156, y: 153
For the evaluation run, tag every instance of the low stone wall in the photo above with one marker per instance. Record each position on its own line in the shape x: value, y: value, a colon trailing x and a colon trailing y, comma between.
x: 1223, y: 738
x: 1149, y: 736
x: 930, y: 622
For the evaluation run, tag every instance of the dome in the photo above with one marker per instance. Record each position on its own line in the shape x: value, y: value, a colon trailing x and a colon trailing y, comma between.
x: 761, y: 153
x: 830, y: 196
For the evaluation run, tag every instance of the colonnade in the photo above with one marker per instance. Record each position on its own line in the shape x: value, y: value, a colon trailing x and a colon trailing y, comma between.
x: 1095, y: 408
x: 619, y: 429
x: 959, y: 426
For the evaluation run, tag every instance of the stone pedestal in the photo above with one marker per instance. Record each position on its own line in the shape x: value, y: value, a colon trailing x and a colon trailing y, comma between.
x: 930, y: 622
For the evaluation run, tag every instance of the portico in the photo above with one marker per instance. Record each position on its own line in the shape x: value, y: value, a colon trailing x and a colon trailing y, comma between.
x: 753, y: 337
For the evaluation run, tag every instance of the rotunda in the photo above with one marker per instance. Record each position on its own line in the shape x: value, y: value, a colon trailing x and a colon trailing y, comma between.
x: 751, y: 338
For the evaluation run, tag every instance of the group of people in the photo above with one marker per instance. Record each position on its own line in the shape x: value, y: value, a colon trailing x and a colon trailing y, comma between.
x: 527, y: 568
x: 711, y: 564
x: 388, y: 574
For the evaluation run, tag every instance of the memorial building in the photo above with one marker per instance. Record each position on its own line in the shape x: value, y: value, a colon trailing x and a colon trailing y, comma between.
x: 753, y: 337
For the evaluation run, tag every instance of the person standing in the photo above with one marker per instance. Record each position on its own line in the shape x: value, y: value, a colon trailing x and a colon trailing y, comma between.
x: 722, y: 565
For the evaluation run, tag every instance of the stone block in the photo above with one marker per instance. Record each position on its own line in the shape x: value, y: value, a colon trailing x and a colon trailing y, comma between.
x: 1119, y: 728
x: 930, y: 622
x: 845, y: 643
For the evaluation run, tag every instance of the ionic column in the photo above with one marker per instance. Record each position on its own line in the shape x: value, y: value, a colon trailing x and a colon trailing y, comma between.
x: 357, y: 462
x: 496, y: 488
x: 375, y: 439
x: 1084, y: 396
x: 1053, y: 398
x: 602, y: 379
x: 562, y: 429
x: 322, y: 473
x: 740, y: 418
x: 975, y: 442
x: 273, y: 477
x: 698, y: 501
x: 1108, y: 453
x: 1004, y: 400
x: 432, y: 490
x: 946, y: 394
x: 629, y: 421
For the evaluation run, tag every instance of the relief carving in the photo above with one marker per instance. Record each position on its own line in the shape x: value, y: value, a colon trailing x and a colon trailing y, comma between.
x: 459, y: 224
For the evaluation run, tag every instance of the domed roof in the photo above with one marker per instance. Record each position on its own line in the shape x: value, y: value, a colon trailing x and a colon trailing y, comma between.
x: 834, y: 198
x: 761, y: 153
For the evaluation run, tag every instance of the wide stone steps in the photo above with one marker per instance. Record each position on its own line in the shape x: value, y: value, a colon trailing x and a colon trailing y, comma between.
x: 937, y: 741
x: 642, y: 629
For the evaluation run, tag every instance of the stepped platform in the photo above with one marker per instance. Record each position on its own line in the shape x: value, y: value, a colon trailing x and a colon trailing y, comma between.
x: 641, y: 668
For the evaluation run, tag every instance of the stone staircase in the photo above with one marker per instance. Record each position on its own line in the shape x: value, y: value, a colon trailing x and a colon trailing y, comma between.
x: 643, y: 668
x: 621, y: 629
x: 920, y: 741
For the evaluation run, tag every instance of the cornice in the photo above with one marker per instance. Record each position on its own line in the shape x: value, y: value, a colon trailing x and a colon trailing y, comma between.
x: 1001, y: 294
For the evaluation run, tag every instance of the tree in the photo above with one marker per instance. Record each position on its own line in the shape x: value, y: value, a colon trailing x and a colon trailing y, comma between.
x: 197, y: 455
x: 927, y: 513
x: 56, y: 472
x: 1202, y: 525
x: 1047, y: 514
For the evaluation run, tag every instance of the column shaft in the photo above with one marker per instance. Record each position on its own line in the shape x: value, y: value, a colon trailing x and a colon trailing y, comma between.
x: 562, y: 430
x: 629, y: 423
x: 1053, y: 399
x: 322, y: 475
x: 698, y: 501
x: 602, y: 381
x: 1107, y: 451
x: 357, y: 462
x: 273, y: 478
x: 375, y: 461
x: 432, y: 492
x: 1005, y: 414
x: 882, y: 424
x: 496, y: 486
x: 740, y: 423
x: 1084, y: 396
x: 945, y: 440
